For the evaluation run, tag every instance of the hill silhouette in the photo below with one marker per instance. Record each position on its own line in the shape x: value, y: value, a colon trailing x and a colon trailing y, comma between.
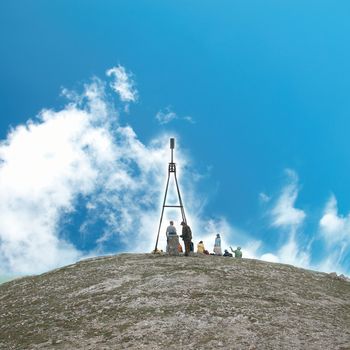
x: 146, y: 301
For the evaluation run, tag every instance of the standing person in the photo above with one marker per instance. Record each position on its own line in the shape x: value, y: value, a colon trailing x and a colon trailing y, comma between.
x: 186, y: 236
x: 170, y: 230
x: 217, y: 245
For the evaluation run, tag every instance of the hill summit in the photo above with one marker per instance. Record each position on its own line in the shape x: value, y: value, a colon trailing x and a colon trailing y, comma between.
x: 146, y: 301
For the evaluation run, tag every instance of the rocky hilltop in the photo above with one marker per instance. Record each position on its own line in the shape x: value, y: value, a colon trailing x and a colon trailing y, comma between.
x: 145, y: 301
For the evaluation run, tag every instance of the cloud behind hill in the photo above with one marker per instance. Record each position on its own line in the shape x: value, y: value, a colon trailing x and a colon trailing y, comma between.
x: 81, y: 164
x: 78, y: 152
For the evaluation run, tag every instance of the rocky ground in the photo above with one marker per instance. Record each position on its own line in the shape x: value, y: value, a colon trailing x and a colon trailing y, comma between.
x: 145, y: 301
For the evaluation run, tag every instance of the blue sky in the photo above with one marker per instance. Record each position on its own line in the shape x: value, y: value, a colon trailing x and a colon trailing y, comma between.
x: 256, y: 94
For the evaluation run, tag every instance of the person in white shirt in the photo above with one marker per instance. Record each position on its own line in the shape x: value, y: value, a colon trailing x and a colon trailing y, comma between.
x: 170, y: 230
x: 217, y: 245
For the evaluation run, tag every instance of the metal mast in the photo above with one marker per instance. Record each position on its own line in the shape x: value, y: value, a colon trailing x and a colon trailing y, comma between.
x: 171, y: 170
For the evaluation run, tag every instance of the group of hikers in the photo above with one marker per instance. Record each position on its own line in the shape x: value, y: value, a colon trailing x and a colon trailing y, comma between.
x: 186, y: 235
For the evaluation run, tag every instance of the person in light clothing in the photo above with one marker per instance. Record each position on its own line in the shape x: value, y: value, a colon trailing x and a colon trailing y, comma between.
x: 217, y: 245
x: 170, y: 230
x: 237, y: 252
x: 200, y: 247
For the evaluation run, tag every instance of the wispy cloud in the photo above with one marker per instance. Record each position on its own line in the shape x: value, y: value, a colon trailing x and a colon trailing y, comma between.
x: 335, y: 231
x: 264, y: 198
x: 288, y: 220
x: 188, y: 119
x: 123, y: 84
x: 284, y: 214
x: 334, y: 227
x: 166, y: 116
x: 297, y: 248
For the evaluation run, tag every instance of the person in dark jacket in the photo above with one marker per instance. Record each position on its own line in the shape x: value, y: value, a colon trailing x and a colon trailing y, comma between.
x: 186, y: 236
x: 227, y: 253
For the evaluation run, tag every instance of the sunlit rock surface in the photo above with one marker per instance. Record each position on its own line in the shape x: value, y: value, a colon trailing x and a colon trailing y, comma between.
x: 132, y: 301
x: 173, y: 245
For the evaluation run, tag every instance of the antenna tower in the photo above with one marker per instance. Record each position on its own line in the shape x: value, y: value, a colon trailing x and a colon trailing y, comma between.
x: 171, y: 170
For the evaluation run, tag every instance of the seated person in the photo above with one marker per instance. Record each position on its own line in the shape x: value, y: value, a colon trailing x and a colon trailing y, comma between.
x: 237, y: 252
x: 200, y: 247
x: 226, y: 253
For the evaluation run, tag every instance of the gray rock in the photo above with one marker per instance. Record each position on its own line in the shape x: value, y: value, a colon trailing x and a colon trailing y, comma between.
x: 173, y: 245
x: 152, y: 301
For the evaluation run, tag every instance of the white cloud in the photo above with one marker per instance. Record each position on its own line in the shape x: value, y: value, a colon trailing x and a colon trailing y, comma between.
x: 284, y: 213
x: 77, y: 152
x: 334, y: 228
x: 43, y: 168
x: 166, y: 116
x: 297, y: 248
x: 289, y: 253
x: 263, y: 197
x: 189, y: 119
x: 81, y: 153
x: 270, y: 257
x: 292, y: 253
x: 333, y: 262
x: 123, y: 84
x: 335, y: 231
